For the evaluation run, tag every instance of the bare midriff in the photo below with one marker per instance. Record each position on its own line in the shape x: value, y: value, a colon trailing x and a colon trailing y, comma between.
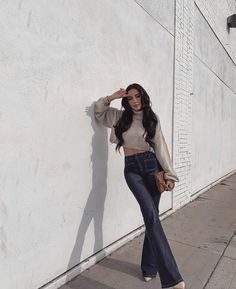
x: 131, y: 151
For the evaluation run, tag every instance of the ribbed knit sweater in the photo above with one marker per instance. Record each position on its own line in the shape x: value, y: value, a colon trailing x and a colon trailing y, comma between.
x: 133, y: 137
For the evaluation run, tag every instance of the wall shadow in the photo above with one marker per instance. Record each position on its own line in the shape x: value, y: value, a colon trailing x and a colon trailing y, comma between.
x: 94, y: 208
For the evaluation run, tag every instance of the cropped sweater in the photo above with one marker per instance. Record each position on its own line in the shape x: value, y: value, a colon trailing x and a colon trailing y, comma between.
x: 133, y: 137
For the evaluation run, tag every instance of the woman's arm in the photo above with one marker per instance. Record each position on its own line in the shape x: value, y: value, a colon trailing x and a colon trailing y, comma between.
x: 162, y: 154
x: 105, y: 114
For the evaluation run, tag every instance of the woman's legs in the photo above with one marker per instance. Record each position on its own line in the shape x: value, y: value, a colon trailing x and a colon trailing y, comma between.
x: 149, y: 265
x: 143, y: 188
x: 148, y: 259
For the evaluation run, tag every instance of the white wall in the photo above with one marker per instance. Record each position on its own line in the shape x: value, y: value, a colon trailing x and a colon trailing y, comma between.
x: 59, y: 204
x: 214, y: 99
x: 62, y: 192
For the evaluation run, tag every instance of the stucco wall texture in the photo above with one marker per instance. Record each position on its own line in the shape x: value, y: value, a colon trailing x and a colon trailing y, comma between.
x: 63, y: 199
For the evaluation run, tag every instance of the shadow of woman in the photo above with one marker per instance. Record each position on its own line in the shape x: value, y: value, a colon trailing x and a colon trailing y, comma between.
x: 94, y: 208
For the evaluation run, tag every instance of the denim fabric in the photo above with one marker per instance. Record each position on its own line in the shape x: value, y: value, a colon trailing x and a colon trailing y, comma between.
x: 156, y: 255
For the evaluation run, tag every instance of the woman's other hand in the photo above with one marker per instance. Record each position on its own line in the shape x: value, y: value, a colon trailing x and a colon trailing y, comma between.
x: 170, y: 185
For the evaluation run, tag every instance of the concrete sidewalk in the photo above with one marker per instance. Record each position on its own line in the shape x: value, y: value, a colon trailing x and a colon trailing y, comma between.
x: 202, y: 236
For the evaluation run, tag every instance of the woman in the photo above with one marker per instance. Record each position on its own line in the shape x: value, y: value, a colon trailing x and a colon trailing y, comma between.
x: 137, y: 129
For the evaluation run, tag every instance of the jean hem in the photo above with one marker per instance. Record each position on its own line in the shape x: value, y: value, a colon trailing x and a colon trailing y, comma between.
x: 172, y: 284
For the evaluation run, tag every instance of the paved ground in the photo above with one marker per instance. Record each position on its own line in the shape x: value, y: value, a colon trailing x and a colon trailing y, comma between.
x: 202, y: 236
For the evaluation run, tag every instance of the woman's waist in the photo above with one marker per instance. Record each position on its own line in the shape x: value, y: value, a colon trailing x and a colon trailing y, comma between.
x: 138, y: 155
x: 142, y: 161
x: 128, y: 151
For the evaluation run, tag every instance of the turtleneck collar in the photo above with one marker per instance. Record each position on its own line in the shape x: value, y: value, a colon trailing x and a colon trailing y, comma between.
x: 138, y: 114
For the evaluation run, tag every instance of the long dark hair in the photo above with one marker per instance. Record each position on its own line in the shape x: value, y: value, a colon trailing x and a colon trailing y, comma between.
x: 149, y: 117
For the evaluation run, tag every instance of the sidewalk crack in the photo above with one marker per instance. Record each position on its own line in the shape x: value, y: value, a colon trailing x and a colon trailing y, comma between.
x: 221, y: 256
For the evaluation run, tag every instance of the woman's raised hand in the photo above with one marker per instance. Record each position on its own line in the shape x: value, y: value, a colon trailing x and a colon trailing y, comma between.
x: 118, y: 94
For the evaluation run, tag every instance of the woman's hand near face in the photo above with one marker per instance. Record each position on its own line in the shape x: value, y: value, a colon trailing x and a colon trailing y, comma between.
x: 117, y: 94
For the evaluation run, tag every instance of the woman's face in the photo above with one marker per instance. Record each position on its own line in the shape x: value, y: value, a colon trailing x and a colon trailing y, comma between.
x: 134, y: 99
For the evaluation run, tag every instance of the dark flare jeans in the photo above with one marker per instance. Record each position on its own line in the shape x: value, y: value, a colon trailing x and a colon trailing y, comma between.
x: 156, y: 255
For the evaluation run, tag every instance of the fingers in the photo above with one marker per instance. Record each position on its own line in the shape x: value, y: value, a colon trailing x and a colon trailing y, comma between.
x: 121, y: 92
x: 171, y: 186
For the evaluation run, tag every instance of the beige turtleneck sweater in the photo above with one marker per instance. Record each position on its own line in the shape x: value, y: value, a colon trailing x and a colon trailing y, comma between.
x: 133, y: 137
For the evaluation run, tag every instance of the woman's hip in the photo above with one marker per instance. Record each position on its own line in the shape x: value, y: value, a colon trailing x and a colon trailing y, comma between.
x: 143, y: 163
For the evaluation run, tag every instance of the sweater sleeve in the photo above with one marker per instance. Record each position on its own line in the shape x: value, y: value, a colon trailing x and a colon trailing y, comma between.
x: 105, y: 114
x: 162, y: 154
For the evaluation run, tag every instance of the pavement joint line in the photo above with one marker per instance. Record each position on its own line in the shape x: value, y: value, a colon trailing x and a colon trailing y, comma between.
x: 205, y: 198
x: 187, y: 244
x: 229, y: 258
x: 222, y: 255
x: 198, y: 247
